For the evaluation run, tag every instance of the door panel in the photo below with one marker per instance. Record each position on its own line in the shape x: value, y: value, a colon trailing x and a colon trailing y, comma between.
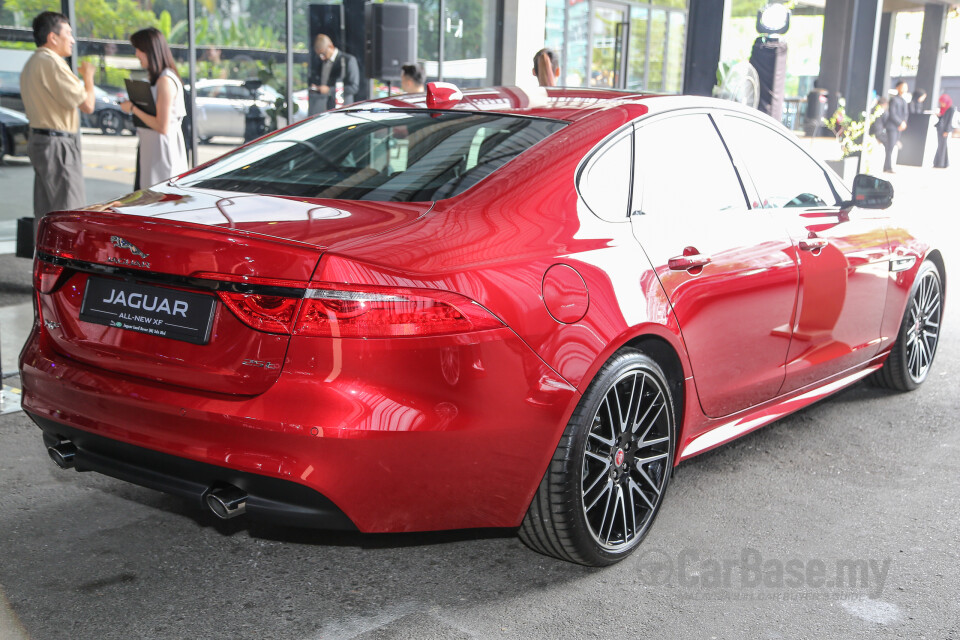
x: 843, y: 254
x: 730, y: 272
x: 842, y: 292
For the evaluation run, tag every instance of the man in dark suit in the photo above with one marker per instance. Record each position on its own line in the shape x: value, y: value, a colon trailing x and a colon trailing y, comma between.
x: 895, y: 121
x: 333, y: 66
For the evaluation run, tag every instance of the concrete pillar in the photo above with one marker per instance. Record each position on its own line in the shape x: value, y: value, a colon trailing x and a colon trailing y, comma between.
x: 919, y: 138
x: 931, y: 52
x: 524, y: 23
x: 848, y: 55
x: 704, y: 34
x: 836, y: 36
x: 881, y: 80
x: 862, y: 55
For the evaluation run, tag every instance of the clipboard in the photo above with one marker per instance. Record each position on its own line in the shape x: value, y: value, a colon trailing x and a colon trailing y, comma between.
x: 139, y: 93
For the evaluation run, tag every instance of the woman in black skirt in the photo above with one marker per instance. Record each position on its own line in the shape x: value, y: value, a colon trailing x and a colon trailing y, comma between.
x: 944, y: 128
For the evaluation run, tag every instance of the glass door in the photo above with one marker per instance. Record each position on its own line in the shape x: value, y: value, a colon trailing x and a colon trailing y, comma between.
x: 637, y: 52
x: 608, y: 36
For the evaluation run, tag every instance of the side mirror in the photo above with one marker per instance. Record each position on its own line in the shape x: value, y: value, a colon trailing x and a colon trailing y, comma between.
x: 871, y: 193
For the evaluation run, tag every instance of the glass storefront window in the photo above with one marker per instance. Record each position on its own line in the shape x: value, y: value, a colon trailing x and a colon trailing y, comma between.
x: 554, y: 36
x: 635, y: 45
x: 657, y: 44
x: 469, y: 42
x: 607, y: 36
x: 676, y: 44
x: 428, y: 36
x: 578, y: 47
x: 637, y: 62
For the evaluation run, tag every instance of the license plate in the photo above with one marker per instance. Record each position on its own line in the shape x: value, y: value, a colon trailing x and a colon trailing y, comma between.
x: 167, y: 313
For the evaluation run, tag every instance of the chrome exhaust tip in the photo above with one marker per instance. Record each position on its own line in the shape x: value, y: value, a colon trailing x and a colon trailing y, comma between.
x: 227, y: 502
x: 63, y: 454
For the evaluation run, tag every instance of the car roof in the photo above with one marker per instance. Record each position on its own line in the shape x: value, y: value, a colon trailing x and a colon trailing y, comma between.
x: 559, y: 103
x: 202, y: 82
x: 11, y: 116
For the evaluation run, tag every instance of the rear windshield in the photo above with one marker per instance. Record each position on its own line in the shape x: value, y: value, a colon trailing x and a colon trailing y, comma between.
x: 383, y: 155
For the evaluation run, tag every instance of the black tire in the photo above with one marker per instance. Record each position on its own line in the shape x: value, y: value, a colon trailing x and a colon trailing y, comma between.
x: 110, y: 122
x: 912, y: 354
x: 584, y: 468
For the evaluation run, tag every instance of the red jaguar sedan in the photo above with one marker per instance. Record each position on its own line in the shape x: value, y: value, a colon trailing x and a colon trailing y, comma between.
x: 494, y: 308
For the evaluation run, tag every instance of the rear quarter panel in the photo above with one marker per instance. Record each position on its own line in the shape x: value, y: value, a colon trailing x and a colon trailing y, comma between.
x: 495, y: 242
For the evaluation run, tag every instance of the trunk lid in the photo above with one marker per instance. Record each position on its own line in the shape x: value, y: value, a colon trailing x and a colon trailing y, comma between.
x: 190, y: 247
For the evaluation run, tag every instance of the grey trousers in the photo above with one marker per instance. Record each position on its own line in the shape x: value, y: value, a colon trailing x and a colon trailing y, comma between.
x: 58, y: 168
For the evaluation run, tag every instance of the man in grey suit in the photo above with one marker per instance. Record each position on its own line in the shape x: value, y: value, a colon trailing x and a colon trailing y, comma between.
x: 895, y: 121
x: 334, y: 66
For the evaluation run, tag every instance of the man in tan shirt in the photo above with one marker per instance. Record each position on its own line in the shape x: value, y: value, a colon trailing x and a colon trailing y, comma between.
x: 51, y: 94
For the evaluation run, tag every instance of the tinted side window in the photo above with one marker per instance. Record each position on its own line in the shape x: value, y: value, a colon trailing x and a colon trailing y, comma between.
x: 605, y: 180
x: 235, y: 92
x: 782, y: 173
x: 682, y: 166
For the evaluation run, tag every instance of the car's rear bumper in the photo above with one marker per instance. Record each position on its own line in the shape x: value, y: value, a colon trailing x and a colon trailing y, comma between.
x: 403, y: 435
x: 280, y: 501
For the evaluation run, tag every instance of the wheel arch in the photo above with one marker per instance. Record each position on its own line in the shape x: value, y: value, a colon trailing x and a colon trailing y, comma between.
x: 669, y: 360
x: 936, y: 258
x: 665, y: 345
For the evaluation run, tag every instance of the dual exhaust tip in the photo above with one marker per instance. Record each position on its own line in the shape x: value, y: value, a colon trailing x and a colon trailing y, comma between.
x: 63, y: 454
x: 225, y: 501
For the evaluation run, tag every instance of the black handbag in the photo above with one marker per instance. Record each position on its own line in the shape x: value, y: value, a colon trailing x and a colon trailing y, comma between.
x: 25, y: 238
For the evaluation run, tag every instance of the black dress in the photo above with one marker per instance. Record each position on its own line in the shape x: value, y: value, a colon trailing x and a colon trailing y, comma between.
x: 944, y: 128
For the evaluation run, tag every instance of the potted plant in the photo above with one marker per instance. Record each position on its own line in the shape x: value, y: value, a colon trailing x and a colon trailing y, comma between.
x: 854, y: 138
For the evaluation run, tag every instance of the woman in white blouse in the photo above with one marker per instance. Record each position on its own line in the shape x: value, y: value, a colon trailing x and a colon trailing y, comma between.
x: 163, y: 153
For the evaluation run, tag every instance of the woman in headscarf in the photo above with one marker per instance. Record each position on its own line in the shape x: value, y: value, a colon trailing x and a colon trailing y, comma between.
x: 944, y: 128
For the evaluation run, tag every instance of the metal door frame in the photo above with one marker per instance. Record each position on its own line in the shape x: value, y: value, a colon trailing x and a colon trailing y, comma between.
x: 620, y: 56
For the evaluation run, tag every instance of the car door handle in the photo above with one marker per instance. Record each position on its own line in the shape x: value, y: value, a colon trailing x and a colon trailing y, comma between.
x: 685, y: 262
x: 812, y: 244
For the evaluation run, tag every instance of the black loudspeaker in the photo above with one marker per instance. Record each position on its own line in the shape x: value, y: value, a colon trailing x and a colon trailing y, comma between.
x: 391, y: 38
x: 769, y: 57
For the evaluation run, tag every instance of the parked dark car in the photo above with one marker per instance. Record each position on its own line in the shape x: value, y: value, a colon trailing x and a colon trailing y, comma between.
x: 14, y: 131
x: 10, y: 90
x: 11, y: 63
x: 107, y: 115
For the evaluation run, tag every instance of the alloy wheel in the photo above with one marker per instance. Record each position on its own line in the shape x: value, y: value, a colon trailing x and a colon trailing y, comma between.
x: 625, y: 460
x: 923, y: 328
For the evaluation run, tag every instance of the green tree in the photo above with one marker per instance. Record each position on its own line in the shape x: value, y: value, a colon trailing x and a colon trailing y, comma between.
x: 114, y: 19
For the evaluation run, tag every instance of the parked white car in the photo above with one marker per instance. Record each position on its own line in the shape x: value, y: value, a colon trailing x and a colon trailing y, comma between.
x: 222, y: 107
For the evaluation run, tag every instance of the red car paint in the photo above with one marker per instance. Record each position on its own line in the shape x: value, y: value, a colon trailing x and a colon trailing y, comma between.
x: 456, y: 430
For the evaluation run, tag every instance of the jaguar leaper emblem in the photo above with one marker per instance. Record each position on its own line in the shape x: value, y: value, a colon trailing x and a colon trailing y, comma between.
x: 120, y: 243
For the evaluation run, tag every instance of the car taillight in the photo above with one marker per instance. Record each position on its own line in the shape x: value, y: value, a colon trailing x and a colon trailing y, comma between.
x: 381, y: 312
x: 45, y: 276
x: 333, y: 310
x: 273, y: 314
